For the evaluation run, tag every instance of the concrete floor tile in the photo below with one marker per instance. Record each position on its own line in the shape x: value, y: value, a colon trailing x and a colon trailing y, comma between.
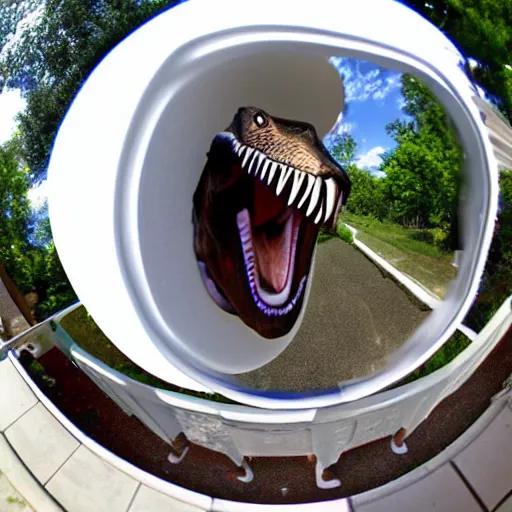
x: 487, y: 462
x: 441, y: 491
x: 41, y: 442
x: 85, y: 483
x: 149, y: 500
x: 16, y: 398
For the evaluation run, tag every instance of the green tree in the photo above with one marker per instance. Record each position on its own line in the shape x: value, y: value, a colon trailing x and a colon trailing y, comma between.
x: 482, y: 29
x: 42, y: 235
x: 26, y: 246
x: 344, y: 148
x: 15, y: 251
x: 504, y: 231
x: 57, y: 293
x: 423, y: 171
x: 55, y: 56
x: 365, y: 193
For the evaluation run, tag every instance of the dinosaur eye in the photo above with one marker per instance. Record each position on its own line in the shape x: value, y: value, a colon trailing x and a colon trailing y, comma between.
x: 259, y: 120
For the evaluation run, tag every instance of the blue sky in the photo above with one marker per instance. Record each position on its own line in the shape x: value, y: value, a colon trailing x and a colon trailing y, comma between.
x: 373, y: 99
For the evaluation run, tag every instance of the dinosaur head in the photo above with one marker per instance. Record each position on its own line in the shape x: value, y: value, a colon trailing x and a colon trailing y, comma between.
x: 267, y: 188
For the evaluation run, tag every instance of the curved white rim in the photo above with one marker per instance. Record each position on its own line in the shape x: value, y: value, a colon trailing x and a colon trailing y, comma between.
x: 235, y: 33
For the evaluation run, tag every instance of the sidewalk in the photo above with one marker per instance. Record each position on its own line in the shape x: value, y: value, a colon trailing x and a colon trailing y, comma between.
x: 52, y: 469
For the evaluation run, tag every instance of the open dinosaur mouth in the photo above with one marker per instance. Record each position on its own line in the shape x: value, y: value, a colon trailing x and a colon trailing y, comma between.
x: 267, y: 187
x: 284, y: 210
x: 269, y: 254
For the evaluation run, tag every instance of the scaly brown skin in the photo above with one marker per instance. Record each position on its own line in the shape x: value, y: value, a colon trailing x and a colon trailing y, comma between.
x: 225, y: 188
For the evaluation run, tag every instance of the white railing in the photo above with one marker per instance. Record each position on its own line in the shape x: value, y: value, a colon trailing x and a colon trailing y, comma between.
x: 241, y: 431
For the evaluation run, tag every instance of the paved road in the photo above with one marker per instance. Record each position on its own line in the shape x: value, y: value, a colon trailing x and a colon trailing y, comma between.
x: 355, y: 317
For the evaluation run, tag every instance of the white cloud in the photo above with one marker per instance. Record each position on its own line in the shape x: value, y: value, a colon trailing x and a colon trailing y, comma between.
x: 11, y: 103
x: 389, y: 84
x: 339, y: 129
x: 371, y: 159
x: 38, y: 195
x: 376, y: 83
x: 401, y: 102
x: 342, y: 127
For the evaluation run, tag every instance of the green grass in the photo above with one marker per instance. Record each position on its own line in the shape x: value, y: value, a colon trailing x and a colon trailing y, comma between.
x: 424, y: 262
x: 447, y: 353
x: 87, y: 335
x: 323, y: 236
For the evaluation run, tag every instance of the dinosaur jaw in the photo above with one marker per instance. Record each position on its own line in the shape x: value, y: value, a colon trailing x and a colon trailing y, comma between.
x: 264, y: 226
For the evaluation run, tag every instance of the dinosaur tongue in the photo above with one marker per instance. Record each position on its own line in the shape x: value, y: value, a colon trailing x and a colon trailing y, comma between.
x: 272, y: 223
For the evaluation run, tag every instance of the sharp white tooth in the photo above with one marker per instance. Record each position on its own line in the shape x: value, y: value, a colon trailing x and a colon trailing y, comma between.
x: 241, y: 149
x: 315, y: 194
x: 266, y: 165
x: 272, y: 171
x: 298, y: 178
x: 330, y: 197
x: 311, y: 182
x: 319, y: 215
x: 283, y: 178
x: 255, y: 162
x: 248, y: 153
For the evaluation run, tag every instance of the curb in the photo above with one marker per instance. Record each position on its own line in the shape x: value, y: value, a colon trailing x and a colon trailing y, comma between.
x: 418, y: 291
x: 415, y: 288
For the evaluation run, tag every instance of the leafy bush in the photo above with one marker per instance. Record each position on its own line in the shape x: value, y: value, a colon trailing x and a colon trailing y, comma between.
x: 439, y: 237
x: 36, y: 371
x: 344, y: 233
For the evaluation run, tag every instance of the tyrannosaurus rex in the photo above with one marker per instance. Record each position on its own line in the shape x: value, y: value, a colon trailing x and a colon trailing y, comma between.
x: 267, y: 188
